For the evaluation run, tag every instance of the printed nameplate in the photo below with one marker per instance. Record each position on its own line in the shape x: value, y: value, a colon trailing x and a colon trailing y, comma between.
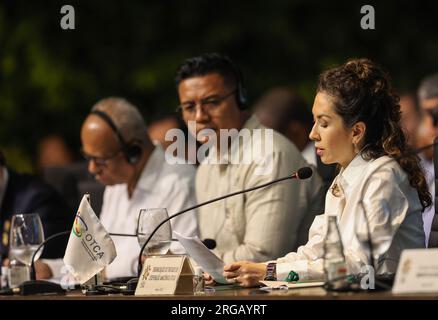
x: 165, y: 275
x: 417, y: 272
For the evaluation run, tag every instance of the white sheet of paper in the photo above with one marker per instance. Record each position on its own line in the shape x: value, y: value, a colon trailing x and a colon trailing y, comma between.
x: 209, y: 262
x: 293, y: 285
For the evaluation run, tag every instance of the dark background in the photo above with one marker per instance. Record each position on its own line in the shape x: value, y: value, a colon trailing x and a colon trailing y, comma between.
x: 50, y: 78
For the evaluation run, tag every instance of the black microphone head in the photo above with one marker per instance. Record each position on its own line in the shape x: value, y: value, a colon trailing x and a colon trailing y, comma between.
x: 209, y: 243
x: 304, y: 173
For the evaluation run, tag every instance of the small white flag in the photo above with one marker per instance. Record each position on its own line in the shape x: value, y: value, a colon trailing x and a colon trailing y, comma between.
x: 90, y: 247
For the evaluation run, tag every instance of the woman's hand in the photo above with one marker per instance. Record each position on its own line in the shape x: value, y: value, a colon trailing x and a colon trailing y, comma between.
x: 42, y: 270
x: 209, y: 281
x: 245, y: 273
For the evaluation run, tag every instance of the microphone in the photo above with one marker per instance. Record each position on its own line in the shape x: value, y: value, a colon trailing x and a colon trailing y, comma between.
x: 301, y: 174
x: 209, y: 243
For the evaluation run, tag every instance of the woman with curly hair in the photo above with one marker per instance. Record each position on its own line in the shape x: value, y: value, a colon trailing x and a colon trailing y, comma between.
x: 380, y: 186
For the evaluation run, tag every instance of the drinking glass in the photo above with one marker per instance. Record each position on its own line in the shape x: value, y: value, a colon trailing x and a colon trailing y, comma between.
x: 26, y: 235
x: 148, y: 220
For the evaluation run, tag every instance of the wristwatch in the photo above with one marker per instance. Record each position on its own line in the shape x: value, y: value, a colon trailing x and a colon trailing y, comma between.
x: 271, y: 272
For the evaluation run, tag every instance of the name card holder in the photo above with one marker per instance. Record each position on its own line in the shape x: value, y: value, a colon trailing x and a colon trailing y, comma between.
x: 417, y: 272
x: 165, y: 275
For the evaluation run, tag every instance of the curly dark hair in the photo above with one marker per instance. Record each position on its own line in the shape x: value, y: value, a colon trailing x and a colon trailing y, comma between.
x: 362, y: 92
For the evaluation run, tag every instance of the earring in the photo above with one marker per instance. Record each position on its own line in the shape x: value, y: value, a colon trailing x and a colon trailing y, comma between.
x: 356, y: 149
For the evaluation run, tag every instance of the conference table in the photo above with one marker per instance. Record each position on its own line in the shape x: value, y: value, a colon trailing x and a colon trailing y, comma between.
x: 316, y: 293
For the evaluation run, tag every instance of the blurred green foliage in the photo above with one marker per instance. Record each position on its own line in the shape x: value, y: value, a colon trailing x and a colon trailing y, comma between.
x: 50, y: 78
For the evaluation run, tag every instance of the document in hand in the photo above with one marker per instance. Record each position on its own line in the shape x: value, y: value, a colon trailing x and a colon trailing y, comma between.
x: 291, y: 285
x: 209, y: 262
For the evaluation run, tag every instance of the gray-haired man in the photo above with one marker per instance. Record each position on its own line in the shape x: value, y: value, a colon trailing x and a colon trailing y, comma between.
x: 122, y: 157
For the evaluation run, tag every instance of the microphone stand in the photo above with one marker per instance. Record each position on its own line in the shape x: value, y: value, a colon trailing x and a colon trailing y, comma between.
x: 294, y: 175
x: 46, y: 287
x: 302, y: 173
x: 34, y: 286
x: 32, y: 264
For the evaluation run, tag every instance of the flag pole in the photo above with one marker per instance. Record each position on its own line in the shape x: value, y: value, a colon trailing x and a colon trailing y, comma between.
x: 87, y: 195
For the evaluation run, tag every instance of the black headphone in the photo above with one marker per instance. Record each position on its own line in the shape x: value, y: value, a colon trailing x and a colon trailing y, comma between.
x: 131, y: 151
x: 241, y: 95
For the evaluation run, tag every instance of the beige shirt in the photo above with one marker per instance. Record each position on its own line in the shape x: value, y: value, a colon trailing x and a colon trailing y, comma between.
x: 266, y: 223
x: 393, y: 212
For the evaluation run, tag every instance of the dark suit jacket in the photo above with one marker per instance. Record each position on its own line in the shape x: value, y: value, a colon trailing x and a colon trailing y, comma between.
x: 27, y: 194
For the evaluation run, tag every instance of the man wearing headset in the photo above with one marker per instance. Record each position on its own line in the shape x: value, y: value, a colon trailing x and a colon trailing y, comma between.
x: 259, y: 225
x: 123, y: 158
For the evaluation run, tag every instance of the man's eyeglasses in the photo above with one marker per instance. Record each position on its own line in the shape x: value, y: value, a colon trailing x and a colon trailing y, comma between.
x: 210, y: 104
x: 99, y: 161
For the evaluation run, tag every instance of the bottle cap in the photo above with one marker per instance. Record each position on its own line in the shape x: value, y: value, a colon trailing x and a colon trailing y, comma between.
x: 5, y: 270
x: 198, y: 271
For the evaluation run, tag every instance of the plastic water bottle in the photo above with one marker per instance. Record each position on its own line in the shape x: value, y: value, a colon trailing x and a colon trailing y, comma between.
x: 335, y: 266
x: 198, y: 282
